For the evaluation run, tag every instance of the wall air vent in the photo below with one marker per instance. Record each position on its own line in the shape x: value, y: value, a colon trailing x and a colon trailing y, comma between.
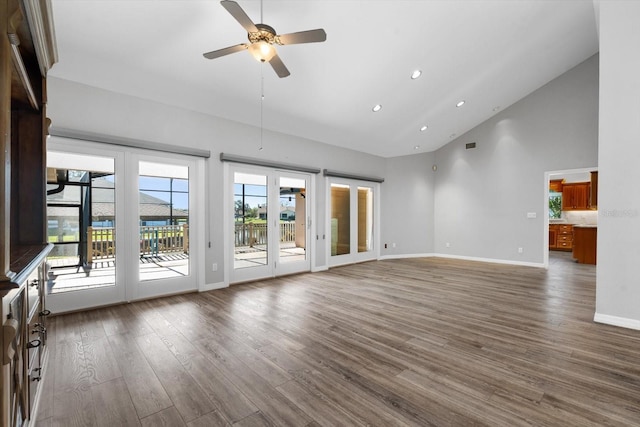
x: 470, y: 145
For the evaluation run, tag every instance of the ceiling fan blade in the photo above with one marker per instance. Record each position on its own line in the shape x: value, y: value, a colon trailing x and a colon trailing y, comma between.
x: 311, y: 36
x: 226, y: 51
x: 236, y: 11
x: 279, y: 67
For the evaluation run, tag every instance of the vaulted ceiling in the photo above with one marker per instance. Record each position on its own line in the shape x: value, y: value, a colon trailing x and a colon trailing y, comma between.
x: 487, y: 53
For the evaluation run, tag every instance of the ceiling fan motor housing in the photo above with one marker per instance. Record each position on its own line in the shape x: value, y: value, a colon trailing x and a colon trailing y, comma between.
x: 265, y: 33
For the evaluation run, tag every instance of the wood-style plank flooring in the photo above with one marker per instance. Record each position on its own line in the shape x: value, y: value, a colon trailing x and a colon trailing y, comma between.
x: 399, y: 342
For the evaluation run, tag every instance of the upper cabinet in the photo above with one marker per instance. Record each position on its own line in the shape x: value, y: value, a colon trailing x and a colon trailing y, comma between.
x: 555, y: 185
x: 594, y: 190
x: 575, y: 196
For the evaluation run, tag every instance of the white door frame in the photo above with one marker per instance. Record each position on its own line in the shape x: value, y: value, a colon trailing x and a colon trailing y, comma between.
x: 354, y: 256
x: 272, y: 269
x: 126, y: 193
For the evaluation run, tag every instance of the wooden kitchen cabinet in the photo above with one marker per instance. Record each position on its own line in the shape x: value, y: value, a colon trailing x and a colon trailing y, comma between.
x: 575, y: 196
x: 561, y: 237
x: 585, y: 245
x: 593, y: 202
x: 553, y: 236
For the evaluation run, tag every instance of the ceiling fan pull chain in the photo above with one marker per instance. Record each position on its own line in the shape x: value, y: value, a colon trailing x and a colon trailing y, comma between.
x: 261, y: 99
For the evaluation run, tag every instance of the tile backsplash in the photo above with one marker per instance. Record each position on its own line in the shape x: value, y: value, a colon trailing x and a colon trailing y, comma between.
x: 580, y: 217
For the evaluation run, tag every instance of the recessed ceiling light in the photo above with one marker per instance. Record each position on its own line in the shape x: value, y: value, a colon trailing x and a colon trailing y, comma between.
x: 416, y: 74
x: 415, y: 147
x: 496, y: 108
x: 377, y: 108
x: 452, y: 135
x: 460, y: 104
x: 423, y: 128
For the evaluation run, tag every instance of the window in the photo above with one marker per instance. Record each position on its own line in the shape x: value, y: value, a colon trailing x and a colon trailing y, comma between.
x: 555, y: 205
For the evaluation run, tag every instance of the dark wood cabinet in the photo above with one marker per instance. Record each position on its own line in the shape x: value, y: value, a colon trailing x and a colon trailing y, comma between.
x: 27, y: 52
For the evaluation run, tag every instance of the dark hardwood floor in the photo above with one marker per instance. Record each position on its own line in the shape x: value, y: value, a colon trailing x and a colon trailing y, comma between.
x: 397, y: 342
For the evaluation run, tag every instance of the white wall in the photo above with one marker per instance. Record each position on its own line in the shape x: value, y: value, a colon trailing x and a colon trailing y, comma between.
x: 618, y: 286
x: 483, y: 195
x: 80, y: 107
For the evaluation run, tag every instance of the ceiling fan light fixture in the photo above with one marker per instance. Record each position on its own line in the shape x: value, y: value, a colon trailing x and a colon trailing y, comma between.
x: 262, y: 51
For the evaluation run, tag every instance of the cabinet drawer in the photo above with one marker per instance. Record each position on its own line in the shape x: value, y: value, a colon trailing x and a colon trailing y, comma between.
x: 564, y: 245
x: 35, y: 340
x: 563, y: 228
x: 564, y: 238
x: 33, y: 291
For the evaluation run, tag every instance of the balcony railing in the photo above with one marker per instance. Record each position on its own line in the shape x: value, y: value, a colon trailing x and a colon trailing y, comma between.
x: 154, y: 240
x: 256, y: 234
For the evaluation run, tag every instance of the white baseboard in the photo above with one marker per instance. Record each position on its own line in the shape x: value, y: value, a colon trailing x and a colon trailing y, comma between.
x: 492, y: 260
x: 212, y: 286
x: 320, y: 268
x: 622, y: 322
x: 402, y: 256
x: 466, y: 258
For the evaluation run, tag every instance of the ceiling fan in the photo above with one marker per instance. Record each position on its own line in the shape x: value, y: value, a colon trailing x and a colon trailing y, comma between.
x: 262, y: 38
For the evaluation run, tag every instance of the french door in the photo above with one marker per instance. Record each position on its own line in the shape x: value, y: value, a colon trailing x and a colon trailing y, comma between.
x: 353, y: 221
x: 270, y: 223
x: 124, y: 224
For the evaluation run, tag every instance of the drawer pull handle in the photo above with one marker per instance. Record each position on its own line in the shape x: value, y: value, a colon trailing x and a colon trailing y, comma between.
x: 34, y: 344
x: 39, y: 329
x: 34, y: 283
x: 36, y: 378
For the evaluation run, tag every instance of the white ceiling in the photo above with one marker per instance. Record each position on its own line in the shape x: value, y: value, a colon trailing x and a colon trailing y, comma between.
x: 489, y: 53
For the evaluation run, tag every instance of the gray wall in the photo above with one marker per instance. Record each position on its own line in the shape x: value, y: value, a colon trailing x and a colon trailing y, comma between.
x: 75, y: 106
x: 407, y: 206
x: 483, y: 195
x: 618, y: 287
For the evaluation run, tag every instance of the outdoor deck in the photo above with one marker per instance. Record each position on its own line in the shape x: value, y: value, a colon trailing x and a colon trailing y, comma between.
x: 101, y: 272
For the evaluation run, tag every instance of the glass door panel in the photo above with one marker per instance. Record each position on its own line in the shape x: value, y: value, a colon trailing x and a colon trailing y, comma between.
x: 365, y: 219
x: 250, y: 223
x: 340, y: 219
x: 81, y: 218
x: 293, y: 224
x: 293, y: 220
x: 163, y: 219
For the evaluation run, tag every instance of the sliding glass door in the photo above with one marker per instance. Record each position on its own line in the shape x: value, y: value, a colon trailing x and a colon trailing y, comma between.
x: 353, y: 221
x: 270, y: 223
x: 123, y: 224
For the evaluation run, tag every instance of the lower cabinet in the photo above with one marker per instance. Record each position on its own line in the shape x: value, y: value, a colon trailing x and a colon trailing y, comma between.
x: 585, y: 245
x: 24, y: 336
x: 561, y: 237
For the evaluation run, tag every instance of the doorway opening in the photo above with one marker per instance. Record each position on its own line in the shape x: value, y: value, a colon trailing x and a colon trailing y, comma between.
x: 571, y: 212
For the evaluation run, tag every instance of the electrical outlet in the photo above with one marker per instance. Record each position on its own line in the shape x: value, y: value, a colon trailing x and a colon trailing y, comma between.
x: 385, y: 246
x: 214, y: 267
x: 520, y: 250
x: 393, y: 245
x: 448, y: 244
